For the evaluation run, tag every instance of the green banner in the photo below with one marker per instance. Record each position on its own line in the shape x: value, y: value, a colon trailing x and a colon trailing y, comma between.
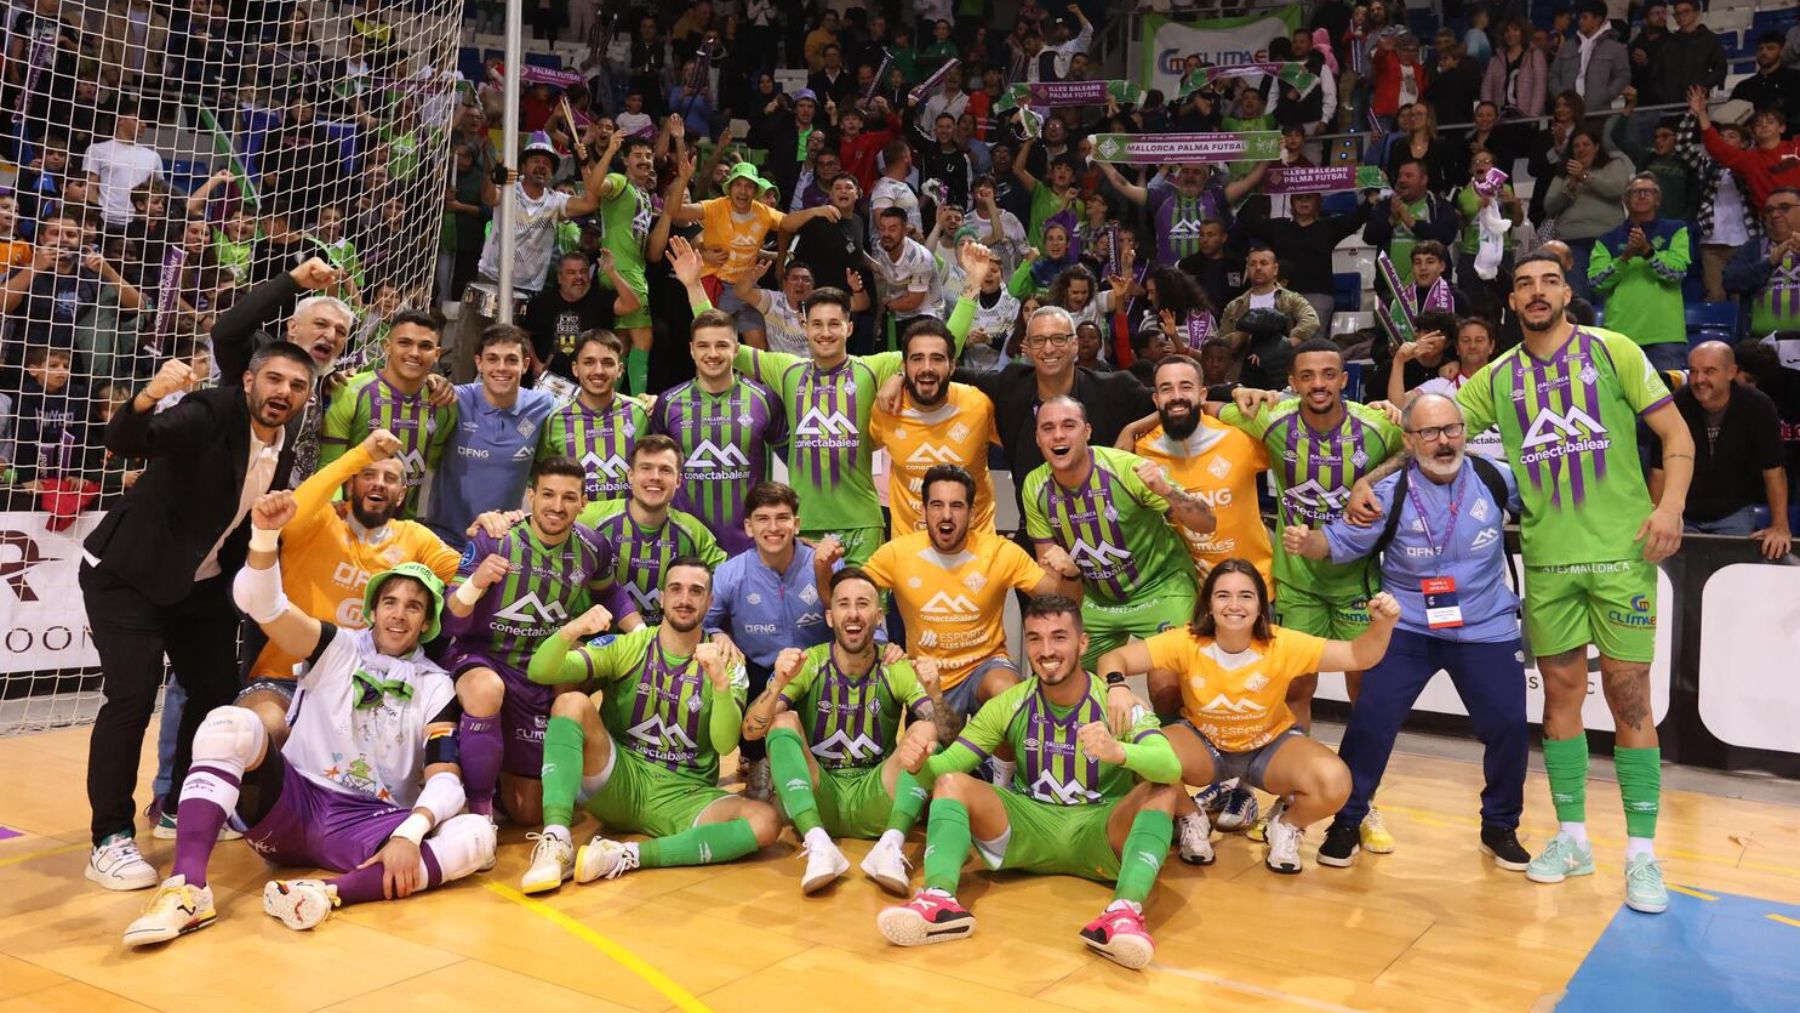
x: 1050, y: 94
x: 1294, y: 75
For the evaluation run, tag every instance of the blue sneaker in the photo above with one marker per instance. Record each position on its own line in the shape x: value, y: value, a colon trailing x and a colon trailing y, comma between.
x: 1211, y: 800
x: 1564, y: 857
x: 1240, y: 810
x: 1644, y: 890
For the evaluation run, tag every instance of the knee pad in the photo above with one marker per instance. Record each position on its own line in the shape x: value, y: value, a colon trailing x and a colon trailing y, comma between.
x: 233, y: 736
x: 462, y: 845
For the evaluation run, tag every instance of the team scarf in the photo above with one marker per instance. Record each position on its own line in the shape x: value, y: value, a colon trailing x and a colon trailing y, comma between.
x: 1157, y: 149
x: 1323, y: 179
x: 1052, y: 94
x: 1200, y: 328
x: 1294, y: 75
x: 881, y: 73
x: 533, y: 74
x: 42, y: 57
x: 1406, y: 296
x: 168, y: 292
x: 930, y: 84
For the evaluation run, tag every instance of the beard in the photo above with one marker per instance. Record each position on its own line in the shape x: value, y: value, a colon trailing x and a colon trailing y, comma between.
x: 919, y: 400
x: 1179, y: 427
x: 372, y: 519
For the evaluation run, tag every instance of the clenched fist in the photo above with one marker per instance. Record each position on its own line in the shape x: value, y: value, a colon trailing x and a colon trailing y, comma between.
x: 174, y: 375
x: 272, y: 510
x: 492, y: 571
x: 1384, y: 609
x: 1293, y: 538
x: 787, y: 665
x: 381, y: 444
x: 711, y: 658
x: 1098, y: 743
x: 594, y: 621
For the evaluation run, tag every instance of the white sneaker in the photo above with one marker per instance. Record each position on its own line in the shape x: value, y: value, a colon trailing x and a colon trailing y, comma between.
x: 117, y: 864
x: 164, y: 829
x: 601, y: 858
x: 824, y: 864
x: 888, y: 867
x: 552, y: 863
x: 1284, y: 846
x: 175, y: 909
x: 1193, y: 837
x: 299, y: 903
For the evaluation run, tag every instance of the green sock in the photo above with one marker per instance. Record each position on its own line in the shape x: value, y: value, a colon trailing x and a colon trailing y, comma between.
x: 563, y: 740
x: 706, y: 844
x: 947, y: 843
x: 793, y: 780
x: 1142, y: 856
x: 637, y: 370
x: 1566, y: 764
x: 1640, y: 788
x: 909, y: 802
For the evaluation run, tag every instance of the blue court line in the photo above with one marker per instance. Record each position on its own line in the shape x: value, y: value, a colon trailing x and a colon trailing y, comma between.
x: 1710, y: 951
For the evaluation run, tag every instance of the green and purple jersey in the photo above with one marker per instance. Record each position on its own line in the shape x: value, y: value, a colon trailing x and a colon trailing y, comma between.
x: 641, y: 554
x: 852, y: 722
x: 1114, y: 528
x: 545, y: 587
x: 726, y: 442
x: 367, y: 402
x: 600, y: 441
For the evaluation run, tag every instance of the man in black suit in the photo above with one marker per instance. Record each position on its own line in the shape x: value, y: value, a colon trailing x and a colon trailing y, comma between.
x: 157, y: 571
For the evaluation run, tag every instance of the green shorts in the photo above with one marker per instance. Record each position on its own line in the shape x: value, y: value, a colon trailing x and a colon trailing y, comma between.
x: 853, y: 802
x: 859, y: 543
x: 1609, y: 605
x: 639, y: 317
x: 640, y: 797
x: 1150, y: 611
x: 1055, y: 840
x: 1337, y: 618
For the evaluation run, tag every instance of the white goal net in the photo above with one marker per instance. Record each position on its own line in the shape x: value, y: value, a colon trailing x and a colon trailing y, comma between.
x: 161, y: 159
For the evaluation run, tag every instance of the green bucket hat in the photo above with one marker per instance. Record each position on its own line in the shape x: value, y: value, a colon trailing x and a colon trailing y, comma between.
x: 744, y: 170
x: 419, y: 572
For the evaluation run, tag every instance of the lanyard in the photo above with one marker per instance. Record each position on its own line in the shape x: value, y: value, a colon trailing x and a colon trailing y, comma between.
x: 1456, y: 490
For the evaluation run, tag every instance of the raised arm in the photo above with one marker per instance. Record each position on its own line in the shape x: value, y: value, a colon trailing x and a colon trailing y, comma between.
x: 257, y: 587
x: 1127, y: 189
x: 1365, y: 651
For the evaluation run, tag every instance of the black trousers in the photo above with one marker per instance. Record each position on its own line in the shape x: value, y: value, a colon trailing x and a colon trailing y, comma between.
x: 131, y: 635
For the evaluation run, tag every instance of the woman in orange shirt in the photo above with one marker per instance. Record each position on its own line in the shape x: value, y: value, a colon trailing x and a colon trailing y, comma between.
x: 1228, y: 672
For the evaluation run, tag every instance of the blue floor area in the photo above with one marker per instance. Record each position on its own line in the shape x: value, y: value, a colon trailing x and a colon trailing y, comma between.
x: 1716, y: 955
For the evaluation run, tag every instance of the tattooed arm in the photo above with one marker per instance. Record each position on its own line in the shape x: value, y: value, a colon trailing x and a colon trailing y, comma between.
x: 760, y: 716
x: 934, y: 708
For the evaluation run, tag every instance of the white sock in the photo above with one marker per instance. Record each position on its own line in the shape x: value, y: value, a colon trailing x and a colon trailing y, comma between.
x: 1122, y: 903
x: 818, y: 839
x: 1635, y: 846
x: 1577, y: 831
x: 561, y: 833
x: 1003, y: 772
x: 891, y: 839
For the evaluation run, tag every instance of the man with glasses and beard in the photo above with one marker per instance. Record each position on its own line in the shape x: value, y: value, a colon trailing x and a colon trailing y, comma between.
x: 938, y: 422
x: 1443, y: 558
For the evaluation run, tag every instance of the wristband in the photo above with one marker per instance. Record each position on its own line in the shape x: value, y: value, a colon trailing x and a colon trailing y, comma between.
x: 1115, y: 679
x: 264, y: 539
x: 414, y: 829
x: 468, y: 594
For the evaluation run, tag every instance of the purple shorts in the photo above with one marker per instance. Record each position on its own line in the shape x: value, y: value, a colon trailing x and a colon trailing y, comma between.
x: 313, y: 826
x: 524, y: 714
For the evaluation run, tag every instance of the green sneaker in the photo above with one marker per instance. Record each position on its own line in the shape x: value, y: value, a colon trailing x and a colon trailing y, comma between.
x: 1561, y: 858
x: 165, y: 827
x: 1644, y: 890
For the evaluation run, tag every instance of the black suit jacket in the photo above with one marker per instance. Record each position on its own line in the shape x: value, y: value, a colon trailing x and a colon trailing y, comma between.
x: 157, y: 534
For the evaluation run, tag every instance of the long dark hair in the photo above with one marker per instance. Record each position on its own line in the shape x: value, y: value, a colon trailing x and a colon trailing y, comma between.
x: 1203, y: 625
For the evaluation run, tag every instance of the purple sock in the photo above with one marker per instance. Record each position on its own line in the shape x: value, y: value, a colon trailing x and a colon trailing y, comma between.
x: 205, y: 797
x: 362, y: 886
x: 480, y: 748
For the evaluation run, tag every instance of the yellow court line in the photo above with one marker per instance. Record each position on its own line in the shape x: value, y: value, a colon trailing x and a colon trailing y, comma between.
x: 46, y: 853
x: 681, y: 997
x: 1783, y: 919
x: 1691, y: 893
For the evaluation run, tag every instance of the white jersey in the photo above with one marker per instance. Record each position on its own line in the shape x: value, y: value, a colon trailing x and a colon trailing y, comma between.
x: 1013, y: 239
x: 915, y: 271
x: 377, y: 750
x: 894, y: 193
x: 536, y: 247
x: 783, y: 328
x: 998, y: 321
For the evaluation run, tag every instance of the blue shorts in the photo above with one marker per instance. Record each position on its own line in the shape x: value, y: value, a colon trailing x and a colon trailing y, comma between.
x: 1248, y: 766
x: 962, y: 697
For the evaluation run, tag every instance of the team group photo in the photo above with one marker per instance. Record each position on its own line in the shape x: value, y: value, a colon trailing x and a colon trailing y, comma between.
x: 1194, y: 505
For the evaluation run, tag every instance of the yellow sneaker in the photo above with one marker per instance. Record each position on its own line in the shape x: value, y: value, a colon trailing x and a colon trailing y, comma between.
x: 175, y: 909
x: 1375, y: 836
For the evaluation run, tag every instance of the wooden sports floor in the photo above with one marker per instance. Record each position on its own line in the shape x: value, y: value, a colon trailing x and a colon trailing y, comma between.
x: 1430, y: 927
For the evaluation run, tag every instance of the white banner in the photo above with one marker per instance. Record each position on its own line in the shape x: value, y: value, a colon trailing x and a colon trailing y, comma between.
x: 1749, y: 638
x: 43, y: 625
x: 1440, y: 693
x: 1219, y: 42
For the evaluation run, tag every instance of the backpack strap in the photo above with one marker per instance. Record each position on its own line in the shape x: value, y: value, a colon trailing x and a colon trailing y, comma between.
x: 1388, y: 528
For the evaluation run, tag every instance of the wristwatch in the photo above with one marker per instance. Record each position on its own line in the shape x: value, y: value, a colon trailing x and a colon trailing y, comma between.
x: 1115, y: 679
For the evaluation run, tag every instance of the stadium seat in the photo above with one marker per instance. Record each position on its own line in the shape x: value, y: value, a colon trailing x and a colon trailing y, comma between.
x: 1716, y: 321
x: 186, y: 175
x: 1342, y: 203
x: 468, y: 64
x: 1724, y: 19
x: 550, y: 60
x: 1347, y: 290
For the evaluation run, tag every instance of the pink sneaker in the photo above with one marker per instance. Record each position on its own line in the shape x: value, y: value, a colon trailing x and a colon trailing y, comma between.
x: 931, y: 917
x: 1119, y: 935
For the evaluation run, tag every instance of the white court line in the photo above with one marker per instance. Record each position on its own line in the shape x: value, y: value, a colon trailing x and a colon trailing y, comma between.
x: 1260, y: 991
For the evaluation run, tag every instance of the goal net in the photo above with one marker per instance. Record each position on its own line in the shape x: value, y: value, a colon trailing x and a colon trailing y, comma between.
x: 162, y: 159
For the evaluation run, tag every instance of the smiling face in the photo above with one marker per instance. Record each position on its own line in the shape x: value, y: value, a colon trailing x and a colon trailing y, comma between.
x: 1441, y: 456
x: 927, y: 370
x: 772, y: 528
x: 1234, y: 604
x: 377, y: 492
x: 501, y: 365
x: 1051, y: 343
x: 402, y: 611
x: 1056, y: 242
x: 597, y: 369
x: 1178, y: 395
x: 1319, y: 378
x: 686, y: 595
x: 1474, y: 346
x: 412, y: 351
x: 827, y: 328
x: 854, y: 614
x: 554, y: 502
x: 1054, y: 645
x: 655, y: 476
x: 713, y: 349
x: 1062, y: 436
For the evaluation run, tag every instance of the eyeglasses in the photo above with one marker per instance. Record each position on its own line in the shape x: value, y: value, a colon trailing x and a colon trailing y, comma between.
x: 1432, y: 434
x: 1059, y: 340
x: 1777, y: 208
x: 1642, y: 191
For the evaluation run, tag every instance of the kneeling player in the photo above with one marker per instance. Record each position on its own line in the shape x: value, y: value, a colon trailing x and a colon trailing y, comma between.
x: 642, y: 755
x: 1231, y: 669
x: 842, y: 698
x: 367, y: 783
x: 1073, y: 808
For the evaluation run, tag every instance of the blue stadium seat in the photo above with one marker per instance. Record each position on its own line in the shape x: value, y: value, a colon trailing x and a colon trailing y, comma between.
x: 468, y: 63
x: 185, y: 176
x: 1715, y: 321
x: 1347, y: 290
x: 551, y: 60
x: 1353, y: 375
x: 1341, y: 203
